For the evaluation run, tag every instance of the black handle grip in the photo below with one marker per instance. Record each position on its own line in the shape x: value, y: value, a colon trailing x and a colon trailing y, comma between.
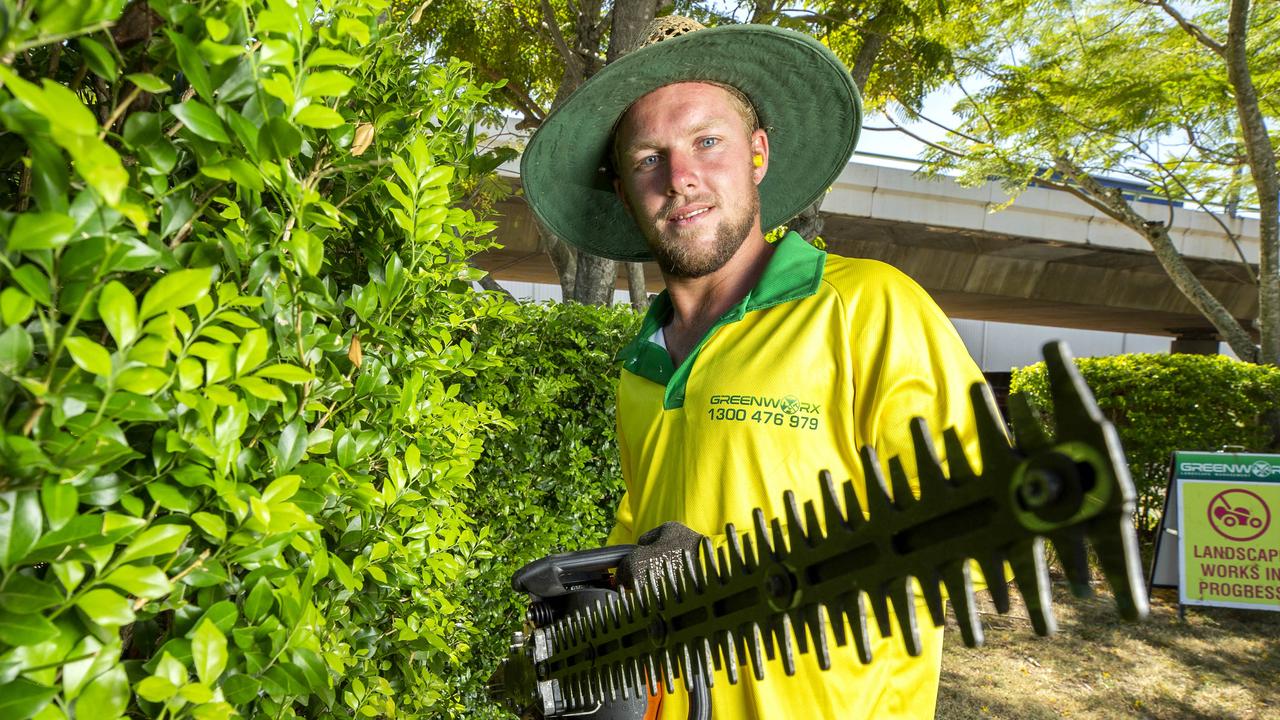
x: 545, y: 577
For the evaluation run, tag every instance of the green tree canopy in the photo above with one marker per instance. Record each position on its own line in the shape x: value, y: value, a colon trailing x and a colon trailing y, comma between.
x: 1184, y: 99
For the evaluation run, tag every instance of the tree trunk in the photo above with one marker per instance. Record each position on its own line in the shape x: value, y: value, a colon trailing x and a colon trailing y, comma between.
x: 594, y: 282
x: 1262, y: 167
x: 866, y: 60
x: 630, y: 18
x: 583, y: 277
x: 636, y: 286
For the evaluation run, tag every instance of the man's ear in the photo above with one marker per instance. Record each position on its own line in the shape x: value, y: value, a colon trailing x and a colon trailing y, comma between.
x: 760, y: 147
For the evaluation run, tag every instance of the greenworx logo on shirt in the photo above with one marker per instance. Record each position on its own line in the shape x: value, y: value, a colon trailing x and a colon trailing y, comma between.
x: 784, y: 412
x: 789, y: 405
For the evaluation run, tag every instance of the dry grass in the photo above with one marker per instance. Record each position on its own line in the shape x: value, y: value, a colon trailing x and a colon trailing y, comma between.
x: 1219, y: 663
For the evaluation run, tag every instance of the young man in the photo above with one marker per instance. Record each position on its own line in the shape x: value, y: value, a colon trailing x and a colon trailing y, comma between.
x: 761, y: 364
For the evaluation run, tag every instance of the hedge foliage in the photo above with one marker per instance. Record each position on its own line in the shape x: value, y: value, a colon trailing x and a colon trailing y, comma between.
x: 235, y: 327
x: 1162, y: 403
x: 549, y: 477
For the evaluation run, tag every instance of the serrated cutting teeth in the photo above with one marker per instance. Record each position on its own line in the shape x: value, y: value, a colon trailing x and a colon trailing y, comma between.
x: 821, y: 573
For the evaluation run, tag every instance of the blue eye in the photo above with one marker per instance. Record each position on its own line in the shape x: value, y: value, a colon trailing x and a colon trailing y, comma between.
x: 708, y: 142
x: 649, y: 161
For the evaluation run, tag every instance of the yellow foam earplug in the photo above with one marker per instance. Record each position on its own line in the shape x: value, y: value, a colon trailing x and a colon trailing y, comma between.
x: 757, y: 160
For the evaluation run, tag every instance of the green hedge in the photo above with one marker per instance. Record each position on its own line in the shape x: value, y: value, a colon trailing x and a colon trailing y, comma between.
x: 235, y: 324
x: 1162, y: 403
x: 548, y: 480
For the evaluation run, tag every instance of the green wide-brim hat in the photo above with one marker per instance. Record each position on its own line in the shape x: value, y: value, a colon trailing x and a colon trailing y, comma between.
x: 802, y: 94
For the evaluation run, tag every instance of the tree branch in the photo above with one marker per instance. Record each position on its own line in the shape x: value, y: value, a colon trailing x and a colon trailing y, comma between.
x: 489, y: 283
x: 930, y: 143
x: 1192, y: 29
x: 1111, y: 202
x: 553, y: 30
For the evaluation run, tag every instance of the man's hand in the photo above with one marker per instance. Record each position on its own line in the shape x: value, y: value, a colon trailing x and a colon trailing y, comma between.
x: 664, y: 544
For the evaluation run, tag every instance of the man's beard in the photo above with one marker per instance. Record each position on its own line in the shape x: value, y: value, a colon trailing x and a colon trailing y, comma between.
x: 678, y: 259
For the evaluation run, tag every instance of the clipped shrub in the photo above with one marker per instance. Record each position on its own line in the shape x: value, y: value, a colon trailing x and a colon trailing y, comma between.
x: 235, y: 324
x: 549, y: 473
x: 1162, y: 403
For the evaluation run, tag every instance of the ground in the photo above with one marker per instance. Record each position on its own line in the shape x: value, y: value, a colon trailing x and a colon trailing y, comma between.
x: 1217, y: 663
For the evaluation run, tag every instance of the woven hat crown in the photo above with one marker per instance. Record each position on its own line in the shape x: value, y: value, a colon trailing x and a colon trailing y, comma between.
x: 665, y: 28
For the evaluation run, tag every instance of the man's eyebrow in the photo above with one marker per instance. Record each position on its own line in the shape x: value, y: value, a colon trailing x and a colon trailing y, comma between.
x: 646, y: 144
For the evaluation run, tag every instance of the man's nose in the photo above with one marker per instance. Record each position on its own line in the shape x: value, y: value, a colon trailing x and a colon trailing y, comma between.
x: 682, y: 174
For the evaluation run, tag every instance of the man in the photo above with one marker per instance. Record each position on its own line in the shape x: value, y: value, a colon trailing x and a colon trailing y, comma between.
x: 761, y: 363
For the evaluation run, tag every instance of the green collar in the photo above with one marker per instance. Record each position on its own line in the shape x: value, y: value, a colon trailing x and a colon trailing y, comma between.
x: 794, y: 272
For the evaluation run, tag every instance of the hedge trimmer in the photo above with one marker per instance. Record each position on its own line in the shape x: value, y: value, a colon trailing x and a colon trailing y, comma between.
x: 812, y: 579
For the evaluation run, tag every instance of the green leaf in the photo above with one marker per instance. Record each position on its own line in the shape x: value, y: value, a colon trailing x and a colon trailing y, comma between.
x: 241, y: 689
x: 281, y: 489
x: 26, y: 629
x: 260, y: 600
x: 169, y: 497
x: 293, y: 443
x: 144, y: 581
x: 308, y: 249
x: 34, y: 282
x: 201, y: 119
x: 326, y: 83
x: 90, y: 356
x: 278, y: 139
x: 22, y: 698
x: 99, y: 59
x: 280, y: 86
x: 155, y: 689
x: 40, y: 231
x: 319, y: 116
x: 252, y: 350
x: 156, y: 540
x: 15, y: 350
x: 148, y: 82
x: 23, y: 595
x: 192, y: 64
x: 80, y: 531
x: 64, y: 109
x: 106, y: 607
x: 211, y: 524
x: 98, y: 164
x: 200, y: 693
x: 60, y: 502
x: 289, y: 373
x: 106, y: 697
x: 143, y: 381
x: 209, y: 652
x: 15, y: 306
x: 176, y: 290
x: 323, y: 57
x: 20, y: 525
x: 119, y: 311
x: 260, y: 388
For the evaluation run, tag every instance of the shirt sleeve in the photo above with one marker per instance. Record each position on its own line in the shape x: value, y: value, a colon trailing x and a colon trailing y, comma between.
x: 911, y: 363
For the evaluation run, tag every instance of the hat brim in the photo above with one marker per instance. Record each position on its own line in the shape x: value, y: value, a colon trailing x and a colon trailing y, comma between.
x: 802, y: 93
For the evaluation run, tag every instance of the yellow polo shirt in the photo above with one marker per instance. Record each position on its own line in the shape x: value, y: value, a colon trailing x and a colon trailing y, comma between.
x: 825, y: 355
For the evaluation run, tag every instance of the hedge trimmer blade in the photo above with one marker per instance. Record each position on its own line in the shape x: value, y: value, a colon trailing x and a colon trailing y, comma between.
x: 827, y: 572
